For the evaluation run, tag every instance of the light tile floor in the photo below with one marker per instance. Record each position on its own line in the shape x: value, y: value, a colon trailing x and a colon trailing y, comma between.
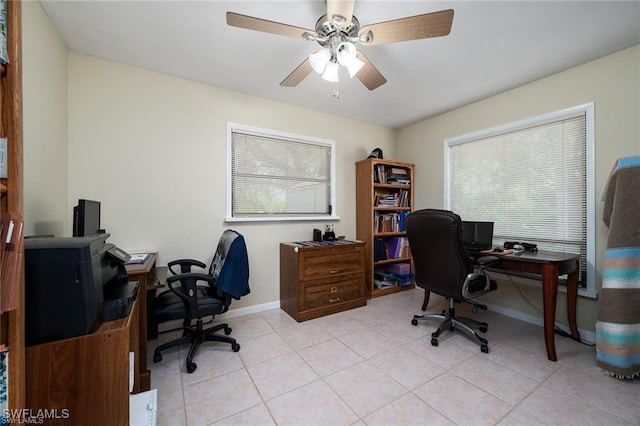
x: 370, y: 366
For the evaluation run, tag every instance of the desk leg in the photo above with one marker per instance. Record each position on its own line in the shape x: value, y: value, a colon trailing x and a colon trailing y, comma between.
x: 572, y: 300
x: 152, y: 324
x: 145, y: 374
x: 549, y: 300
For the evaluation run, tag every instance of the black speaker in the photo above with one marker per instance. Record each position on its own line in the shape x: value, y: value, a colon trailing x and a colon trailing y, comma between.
x: 317, y: 235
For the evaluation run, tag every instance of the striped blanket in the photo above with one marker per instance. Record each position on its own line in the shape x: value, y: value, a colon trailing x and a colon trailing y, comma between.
x: 618, y: 325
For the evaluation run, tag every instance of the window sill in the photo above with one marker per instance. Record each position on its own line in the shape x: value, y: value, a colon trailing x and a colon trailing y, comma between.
x: 282, y: 219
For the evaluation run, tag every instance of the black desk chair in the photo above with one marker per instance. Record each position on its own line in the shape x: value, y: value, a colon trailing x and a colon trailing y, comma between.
x: 444, y: 267
x: 193, y: 296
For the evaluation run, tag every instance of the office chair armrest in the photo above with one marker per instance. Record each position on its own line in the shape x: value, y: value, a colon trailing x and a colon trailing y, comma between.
x: 185, y: 265
x: 486, y: 261
x: 188, y: 284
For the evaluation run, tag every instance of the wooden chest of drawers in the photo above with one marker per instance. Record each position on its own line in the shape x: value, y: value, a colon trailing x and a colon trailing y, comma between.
x: 321, y: 280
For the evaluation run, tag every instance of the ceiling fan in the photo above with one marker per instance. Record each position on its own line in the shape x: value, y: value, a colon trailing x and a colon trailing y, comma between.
x: 339, y: 31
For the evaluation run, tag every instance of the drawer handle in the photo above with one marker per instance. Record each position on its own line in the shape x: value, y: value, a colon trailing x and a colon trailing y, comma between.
x: 334, y: 300
x: 334, y: 289
x: 334, y: 271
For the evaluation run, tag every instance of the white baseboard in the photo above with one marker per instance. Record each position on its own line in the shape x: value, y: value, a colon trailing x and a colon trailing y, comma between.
x: 254, y: 309
x: 586, y: 336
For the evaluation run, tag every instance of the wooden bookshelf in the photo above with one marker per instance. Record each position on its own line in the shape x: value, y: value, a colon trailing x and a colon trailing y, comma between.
x: 387, y: 197
x: 11, y: 193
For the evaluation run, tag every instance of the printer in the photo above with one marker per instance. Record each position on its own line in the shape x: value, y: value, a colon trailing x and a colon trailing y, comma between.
x: 66, y: 281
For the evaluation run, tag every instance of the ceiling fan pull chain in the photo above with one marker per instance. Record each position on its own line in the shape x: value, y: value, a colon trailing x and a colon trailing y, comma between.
x: 336, y: 92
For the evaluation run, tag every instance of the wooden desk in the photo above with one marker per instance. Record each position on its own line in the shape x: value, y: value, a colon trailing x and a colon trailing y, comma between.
x: 86, y: 375
x: 143, y: 273
x: 549, y: 265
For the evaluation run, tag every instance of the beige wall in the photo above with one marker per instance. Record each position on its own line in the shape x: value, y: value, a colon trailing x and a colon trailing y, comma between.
x: 45, y: 124
x: 612, y: 83
x: 152, y: 149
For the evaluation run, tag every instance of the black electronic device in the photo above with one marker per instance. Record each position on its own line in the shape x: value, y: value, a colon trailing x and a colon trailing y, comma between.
x: 477, y: 236
x: 86, y: 218
x: 118, y: 254
x: 317, y: 235
x: 329, y: 236
x: 526, y: 246
x: 65, y: 278
x: 118, y: 299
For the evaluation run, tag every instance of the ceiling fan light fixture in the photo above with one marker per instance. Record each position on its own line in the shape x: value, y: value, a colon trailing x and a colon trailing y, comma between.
x: 347, y: 56
x: 345, y: 52
x: 320, y: 60
x: 331, y: 72
x: 354, y: 66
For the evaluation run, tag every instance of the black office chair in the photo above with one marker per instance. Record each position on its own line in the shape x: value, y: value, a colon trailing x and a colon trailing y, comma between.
x: 193, y: 296
x: 444, y: 267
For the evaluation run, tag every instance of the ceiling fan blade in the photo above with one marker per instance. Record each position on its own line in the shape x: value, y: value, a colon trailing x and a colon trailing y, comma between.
x: 369, y: 74
x: 434, y: 24
x: 297, y: 75
x: 340, y: 8
x: 265, y: 26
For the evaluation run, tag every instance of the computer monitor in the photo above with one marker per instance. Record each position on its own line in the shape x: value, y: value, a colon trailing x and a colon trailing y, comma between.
x: 86, y: 218
x: 477, y: 236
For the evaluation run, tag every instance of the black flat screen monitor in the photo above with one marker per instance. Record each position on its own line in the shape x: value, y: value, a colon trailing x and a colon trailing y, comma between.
x: 477, y: 236
x: 86, y: 218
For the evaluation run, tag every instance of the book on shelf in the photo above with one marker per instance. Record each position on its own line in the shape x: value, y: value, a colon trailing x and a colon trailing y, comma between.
x: 379, y: 175
x: 387, y: 200
x: 379, y: 249
x: 397, y: 247
x: 397, y: 171
x: 384, y: 279
x: 390, y: 222
x: 398, y: 176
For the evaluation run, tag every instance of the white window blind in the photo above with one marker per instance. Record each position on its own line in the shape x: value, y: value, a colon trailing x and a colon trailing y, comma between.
x: 279, y: 176
x: 530, y: 179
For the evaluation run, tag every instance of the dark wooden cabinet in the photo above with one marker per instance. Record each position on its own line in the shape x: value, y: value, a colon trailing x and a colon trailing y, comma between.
x: 317, y: 280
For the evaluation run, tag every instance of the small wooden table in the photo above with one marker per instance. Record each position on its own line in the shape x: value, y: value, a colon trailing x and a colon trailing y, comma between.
x: 549, y: 265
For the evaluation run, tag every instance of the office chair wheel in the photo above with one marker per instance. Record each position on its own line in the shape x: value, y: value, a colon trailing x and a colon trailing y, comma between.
x: 191, y: 367
x: 484, y: 328
x: 414, y: 321
x: 474, y: 309
x: 434, y: 341
x: 485, y: 349
x: 235, y: 347
x: 157, y: 357
x: 227, y: 330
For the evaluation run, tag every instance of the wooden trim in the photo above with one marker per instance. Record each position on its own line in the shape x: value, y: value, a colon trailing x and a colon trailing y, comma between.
x: 11, y: 86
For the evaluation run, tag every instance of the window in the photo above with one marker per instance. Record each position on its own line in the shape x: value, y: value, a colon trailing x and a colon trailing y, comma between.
x: 534, y: 179
x: 278, y: 176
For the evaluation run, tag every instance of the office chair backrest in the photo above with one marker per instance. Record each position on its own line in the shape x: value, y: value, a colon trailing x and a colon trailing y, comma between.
x: 440, y: 260
x: 230, y: 265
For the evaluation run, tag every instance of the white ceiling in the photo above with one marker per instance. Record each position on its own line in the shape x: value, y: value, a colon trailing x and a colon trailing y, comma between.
x: 493, y: 46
